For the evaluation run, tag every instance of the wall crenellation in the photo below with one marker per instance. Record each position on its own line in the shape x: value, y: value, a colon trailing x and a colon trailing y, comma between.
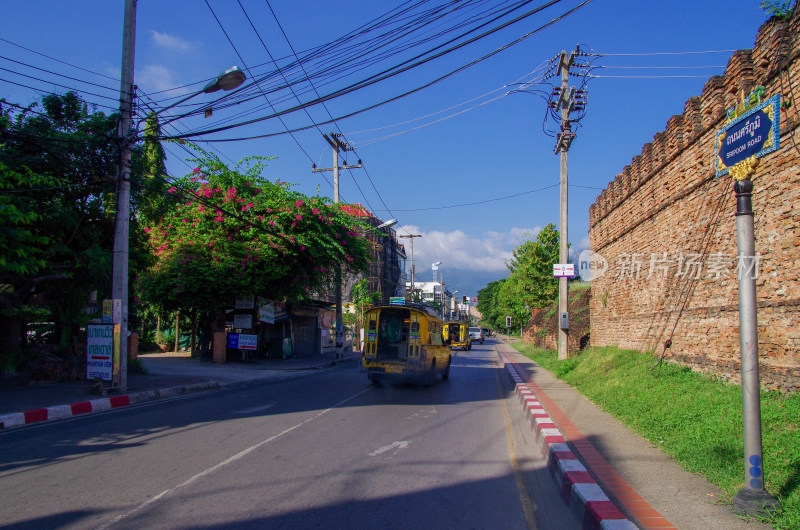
x: 665, y: 226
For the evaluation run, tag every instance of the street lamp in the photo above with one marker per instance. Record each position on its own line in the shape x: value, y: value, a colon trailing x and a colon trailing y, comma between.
x: 227, y: 80
x: 387, y: 224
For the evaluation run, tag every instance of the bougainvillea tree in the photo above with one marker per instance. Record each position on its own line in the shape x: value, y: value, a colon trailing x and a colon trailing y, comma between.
x: 235, y: 233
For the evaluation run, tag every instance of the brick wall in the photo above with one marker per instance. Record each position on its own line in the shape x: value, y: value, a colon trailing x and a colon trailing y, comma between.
x: 666, y: 227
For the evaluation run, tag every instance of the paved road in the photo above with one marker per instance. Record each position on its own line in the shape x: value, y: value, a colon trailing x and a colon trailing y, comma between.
x: 325, y: 451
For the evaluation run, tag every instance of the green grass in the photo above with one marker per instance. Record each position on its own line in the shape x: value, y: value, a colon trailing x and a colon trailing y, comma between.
x: 692, y: 417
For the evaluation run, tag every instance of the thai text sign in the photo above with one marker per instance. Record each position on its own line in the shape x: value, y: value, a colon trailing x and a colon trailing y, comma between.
x: 753, y: 133
x: 242, y: 341
x: 99, y: 351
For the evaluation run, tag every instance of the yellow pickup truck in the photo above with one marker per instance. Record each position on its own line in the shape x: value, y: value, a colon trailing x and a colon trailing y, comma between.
x: 456, y: 335
x: 404, y: 343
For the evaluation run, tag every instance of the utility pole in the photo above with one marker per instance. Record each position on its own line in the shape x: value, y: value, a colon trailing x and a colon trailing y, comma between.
x: 337, y: 145
x: 119, y: 287
x: 566, y: 102
x: 411, y: 237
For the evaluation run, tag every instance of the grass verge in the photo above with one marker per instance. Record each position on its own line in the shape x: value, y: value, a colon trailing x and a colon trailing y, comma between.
x: 692, y: 417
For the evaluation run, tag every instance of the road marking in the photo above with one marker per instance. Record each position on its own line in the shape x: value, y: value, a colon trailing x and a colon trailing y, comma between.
x: 522, y: 489
x: 238, y: 456
x: 394, y: 445
x: 424, y: 413
x: 255, y: 409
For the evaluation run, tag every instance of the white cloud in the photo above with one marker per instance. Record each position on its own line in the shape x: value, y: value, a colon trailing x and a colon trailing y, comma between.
x: 154, y: 77
x: 170, y: 42
x: 458, y: 250
x: 577, y: 248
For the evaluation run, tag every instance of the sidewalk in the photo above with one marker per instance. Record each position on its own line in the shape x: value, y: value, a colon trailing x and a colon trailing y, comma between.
x: 645, y: 484
x: 169, y: 374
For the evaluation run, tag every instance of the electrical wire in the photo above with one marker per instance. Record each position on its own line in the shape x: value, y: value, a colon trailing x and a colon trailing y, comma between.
x: 373, y: 106
x: 485, y: 201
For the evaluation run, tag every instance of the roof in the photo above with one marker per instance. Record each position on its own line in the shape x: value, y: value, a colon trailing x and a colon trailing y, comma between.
x: 356, y: 210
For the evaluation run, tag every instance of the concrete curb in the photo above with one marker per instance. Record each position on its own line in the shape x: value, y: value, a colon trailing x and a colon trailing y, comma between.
x: 579, y: 490
x: 60, y: 412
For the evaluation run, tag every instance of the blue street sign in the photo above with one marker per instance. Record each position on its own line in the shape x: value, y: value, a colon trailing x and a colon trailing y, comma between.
x: 753, y: 133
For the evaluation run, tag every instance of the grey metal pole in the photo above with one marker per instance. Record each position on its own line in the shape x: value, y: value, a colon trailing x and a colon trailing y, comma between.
x: 563, y: 285
x: 119, y: 288
x: 753, y: 498
x: 338, y: 271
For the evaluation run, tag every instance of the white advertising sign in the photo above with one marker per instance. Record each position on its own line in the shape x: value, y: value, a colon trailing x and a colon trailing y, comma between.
x: 248, y: 342
x: 99, y: 351
x: 242, y: 321
x: 266, y: 311
x: 244, y: 302
x: 563, y: 270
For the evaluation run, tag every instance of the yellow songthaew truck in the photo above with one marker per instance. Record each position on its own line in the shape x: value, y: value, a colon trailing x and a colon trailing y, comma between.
x: 404, y: 343
x: 456, y: 335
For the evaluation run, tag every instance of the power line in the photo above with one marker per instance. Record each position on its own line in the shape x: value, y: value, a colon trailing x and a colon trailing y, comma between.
x: 116, y: 79
x: 376, y: 105
x: 663, y: 53
x: 513, y: 196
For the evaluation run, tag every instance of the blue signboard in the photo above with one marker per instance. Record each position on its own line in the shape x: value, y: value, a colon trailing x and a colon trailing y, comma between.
x: 241, y: 341
x: 753, y: 133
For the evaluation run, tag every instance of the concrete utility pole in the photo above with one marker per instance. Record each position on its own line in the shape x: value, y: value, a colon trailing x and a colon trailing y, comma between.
x: 753, y: 499
x: 411, y: 237
x: 565, y: 137
x: 119, y: 281
x: 337, y: 145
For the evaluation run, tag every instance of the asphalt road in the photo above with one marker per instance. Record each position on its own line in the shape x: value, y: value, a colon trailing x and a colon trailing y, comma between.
x: 328, y: 450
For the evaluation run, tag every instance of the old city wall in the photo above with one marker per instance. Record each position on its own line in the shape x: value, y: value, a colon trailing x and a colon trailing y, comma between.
x: 666, y: 228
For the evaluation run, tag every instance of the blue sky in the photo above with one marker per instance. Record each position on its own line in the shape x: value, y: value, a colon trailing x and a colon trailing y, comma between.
x: 459, y: 162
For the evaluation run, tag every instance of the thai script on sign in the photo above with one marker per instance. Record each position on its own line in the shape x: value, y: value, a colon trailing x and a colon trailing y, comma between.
x: 750, y: 127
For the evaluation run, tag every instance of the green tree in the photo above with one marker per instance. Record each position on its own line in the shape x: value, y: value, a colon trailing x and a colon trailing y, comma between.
x: 778, y: 8
x: 488, y: 305
x: 56, y: 159
x: 234, y: 233
x: 532, y: 270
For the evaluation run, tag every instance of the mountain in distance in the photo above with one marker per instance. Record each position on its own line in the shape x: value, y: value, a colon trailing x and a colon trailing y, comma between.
x: 467, y: 282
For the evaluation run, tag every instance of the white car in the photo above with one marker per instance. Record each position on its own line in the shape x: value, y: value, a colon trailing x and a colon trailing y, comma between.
x: 476, y: 334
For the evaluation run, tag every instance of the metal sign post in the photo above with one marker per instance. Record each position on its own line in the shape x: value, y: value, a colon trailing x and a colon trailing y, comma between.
x: 751, y: 132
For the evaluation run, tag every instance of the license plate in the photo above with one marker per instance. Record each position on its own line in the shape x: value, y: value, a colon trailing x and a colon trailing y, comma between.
x: 394, y: 369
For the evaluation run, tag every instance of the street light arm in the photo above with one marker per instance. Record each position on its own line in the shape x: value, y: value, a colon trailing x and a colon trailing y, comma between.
x: 228, y: 80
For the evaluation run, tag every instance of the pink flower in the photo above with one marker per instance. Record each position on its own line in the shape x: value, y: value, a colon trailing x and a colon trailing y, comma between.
x: 299, y: 217
x: 172, y: 189
x: 231, y: 192
x: 302, y: 247
x: 299, y: 203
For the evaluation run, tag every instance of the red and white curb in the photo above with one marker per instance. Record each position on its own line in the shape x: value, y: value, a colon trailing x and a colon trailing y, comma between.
x: 577, y: 487
x: 60, y: 412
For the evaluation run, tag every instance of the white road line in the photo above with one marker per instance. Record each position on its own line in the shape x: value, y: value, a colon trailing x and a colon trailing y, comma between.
x: 254, y: 409
x: 234, y: 458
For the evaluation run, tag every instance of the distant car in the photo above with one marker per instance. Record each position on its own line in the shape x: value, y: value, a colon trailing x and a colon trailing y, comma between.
x: 486, y: 332
x: 476, y: 334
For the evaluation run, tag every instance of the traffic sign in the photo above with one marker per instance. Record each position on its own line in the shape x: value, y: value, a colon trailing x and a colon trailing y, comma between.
x: 563, y: 270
